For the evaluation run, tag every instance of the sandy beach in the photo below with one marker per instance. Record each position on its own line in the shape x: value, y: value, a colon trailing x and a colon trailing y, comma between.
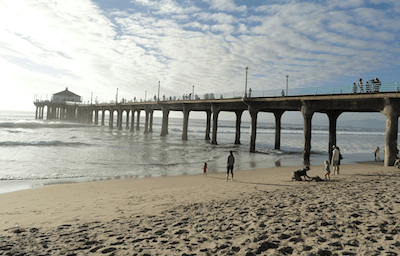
x: 261, y: 212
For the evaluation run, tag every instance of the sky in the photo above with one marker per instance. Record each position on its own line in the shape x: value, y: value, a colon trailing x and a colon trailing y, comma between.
x: 99, y: 47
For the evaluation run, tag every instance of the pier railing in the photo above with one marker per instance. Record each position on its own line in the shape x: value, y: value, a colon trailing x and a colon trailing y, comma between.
x: 319, y: 90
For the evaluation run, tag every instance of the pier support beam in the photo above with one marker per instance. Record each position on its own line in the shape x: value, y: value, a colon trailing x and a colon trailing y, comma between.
x: 238, y: 123
x: 307, y: 117
x: 215, y: 111
x: 186, y: 112
x: 138, y: 121
x: 111, y: 119
x: 164, y: 124
x: 208, y: 125
x: 146, y: 121
x: 333, y: 116
x: 278, y: 128
x: 132, y: 120
x: 151, y: 112
x: 90, y: 116
x: 253, y: 133
x: 119, y: 119
x: 391, y: 113
x: 102, y: 117
x: 127, y: 119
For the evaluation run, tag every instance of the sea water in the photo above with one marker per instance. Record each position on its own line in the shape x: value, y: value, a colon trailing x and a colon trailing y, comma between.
x: 38, y: 152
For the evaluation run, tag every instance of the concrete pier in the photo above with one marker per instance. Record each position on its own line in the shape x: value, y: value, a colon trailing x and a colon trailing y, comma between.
x: 387, y: 103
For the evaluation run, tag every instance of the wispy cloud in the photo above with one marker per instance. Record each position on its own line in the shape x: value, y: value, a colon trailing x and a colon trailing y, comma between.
x: 91, y: 47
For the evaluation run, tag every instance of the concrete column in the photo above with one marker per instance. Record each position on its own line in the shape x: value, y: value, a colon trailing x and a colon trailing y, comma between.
x: 208, y: 125
x: 186, y: 112
x: 90, y: 116
x: 102, y: 116
x: 132, y: 120
x: 119, y: 120
x: 151, y: 112
x: 333, y: 116
x: 278, y: 127
x: 48, y: 113
x: 164, y: 124
x: 36, y: 114
x: 96, y: 117
x: 111, y: 119
x: 138, y: 120
x: 392, y: 122
x: 42, y: 115
x: 215, y: 111
x: 127, y: 119
x: 307, y: 117
x: 253, y: 133
x: 146, y: 122
x: 238, y: 124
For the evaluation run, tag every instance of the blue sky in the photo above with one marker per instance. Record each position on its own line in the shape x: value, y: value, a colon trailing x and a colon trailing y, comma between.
x: 98, y: 46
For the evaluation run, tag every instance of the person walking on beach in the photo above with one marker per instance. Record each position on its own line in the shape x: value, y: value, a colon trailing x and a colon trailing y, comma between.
x: 335, y: 159
x: 328, y: 170
x: 205, y: 169
x: 377, y: 156
x: 229, y: 166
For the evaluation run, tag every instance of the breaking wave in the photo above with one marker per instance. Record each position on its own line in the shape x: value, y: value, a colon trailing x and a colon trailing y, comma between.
x: 52, y: 143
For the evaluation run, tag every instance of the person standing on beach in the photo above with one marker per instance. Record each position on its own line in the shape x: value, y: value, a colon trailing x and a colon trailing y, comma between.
x: 328, y: 170
x: 229, y: 166
x: 377, y: 156
x: 335, y: 159
x: 205, y: 169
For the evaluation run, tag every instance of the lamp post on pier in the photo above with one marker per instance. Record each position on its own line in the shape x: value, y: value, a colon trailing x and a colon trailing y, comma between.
x: 287, y: 84
x: 116, y: 97
x: 158, y: 100
x: 193, y: 92
x: 245, y: 83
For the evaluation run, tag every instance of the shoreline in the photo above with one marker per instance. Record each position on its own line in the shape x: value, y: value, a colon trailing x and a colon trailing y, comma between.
x: 246, y: 181
x: 170, y: 215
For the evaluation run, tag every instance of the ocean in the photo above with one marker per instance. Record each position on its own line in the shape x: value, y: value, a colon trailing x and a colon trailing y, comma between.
x: 35, y: 153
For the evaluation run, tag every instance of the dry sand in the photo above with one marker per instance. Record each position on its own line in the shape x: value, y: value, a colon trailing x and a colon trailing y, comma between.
x: 262, y: 212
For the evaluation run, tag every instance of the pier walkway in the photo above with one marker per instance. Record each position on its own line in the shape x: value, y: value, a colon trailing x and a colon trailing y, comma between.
x: 333, y: 105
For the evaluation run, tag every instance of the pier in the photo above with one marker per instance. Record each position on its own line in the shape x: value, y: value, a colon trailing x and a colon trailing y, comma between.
x: 333, y: 105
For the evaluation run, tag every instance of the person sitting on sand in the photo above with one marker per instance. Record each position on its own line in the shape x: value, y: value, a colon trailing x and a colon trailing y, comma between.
x: 328, y: 170
x: 205, y: 169
x: 229, y: 165
x: 301, y: 173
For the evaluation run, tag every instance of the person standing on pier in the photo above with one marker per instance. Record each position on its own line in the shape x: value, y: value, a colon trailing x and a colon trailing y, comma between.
x: 360, y: 84
x: 335, y: 159
x: 354, y: 88
x: 229, y: 166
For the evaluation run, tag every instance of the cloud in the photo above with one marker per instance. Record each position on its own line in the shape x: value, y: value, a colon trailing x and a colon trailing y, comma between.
x: 47, y: 46
x: 225, y: 5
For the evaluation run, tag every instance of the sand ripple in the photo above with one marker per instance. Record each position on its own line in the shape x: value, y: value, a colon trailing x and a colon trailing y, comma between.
x: 356, y: 216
